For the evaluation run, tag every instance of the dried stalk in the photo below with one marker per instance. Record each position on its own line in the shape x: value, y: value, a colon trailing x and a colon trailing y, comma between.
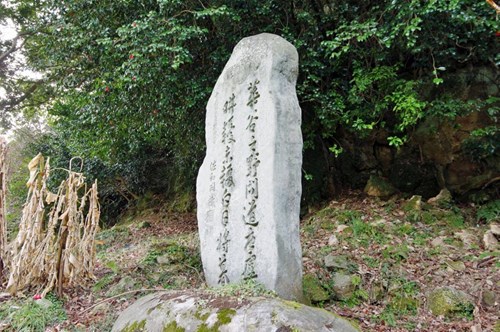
x: 3, y: 189
x: 55, y: 244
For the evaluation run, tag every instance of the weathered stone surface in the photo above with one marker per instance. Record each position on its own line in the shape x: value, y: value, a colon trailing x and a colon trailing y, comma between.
x: 343, y: 286
x: 442, y: 199
x: 448, y: 301
x: 379, y: 187
x: 413, y: 204
x: 495, y: 229
x: 249, y: 186
x: 313, y: 290
x: 190, y: 311
x: 125, y: 284
x: 490, y: 241
x: 338, y: 262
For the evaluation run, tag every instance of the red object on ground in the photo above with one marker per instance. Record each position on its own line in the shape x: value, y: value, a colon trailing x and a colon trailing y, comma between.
x: 37, y: 297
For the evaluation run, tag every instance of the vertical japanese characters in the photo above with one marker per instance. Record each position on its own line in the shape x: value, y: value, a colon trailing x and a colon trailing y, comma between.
x: 252, y: 184
x: 227, y: 183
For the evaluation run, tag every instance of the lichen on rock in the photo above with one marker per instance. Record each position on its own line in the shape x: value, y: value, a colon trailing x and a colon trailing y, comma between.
x: 202, y: 311
x: 449, y: 302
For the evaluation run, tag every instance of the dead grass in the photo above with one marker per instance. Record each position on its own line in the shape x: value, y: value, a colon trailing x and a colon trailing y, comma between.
x: 54, y: 248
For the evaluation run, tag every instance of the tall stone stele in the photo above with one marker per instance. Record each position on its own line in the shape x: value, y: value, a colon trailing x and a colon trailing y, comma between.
x: 249, y: 186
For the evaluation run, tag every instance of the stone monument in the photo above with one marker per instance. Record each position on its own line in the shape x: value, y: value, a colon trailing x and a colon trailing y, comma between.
x: 249, y: 186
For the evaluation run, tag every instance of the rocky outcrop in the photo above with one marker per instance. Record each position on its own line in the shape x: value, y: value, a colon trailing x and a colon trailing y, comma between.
x: 205, y: 311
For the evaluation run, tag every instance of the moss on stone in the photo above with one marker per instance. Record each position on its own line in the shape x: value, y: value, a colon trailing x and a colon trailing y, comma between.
x: 224, y: 316
x: 313, y: 289
x: 135, y: 326
x: 173, y: 327
x: 292, y: 304
x: 203, y: 317
x: 449, y: 302
x: 379, y: 187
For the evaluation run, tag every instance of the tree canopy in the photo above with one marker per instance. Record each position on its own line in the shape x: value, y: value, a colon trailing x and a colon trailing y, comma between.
x: 125, y: 83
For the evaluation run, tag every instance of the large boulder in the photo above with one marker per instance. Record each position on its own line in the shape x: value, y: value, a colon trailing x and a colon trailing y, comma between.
x: 205, y: 311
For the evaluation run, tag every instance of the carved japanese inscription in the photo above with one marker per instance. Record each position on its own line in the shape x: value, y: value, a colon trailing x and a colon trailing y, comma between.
x: 249, y: 186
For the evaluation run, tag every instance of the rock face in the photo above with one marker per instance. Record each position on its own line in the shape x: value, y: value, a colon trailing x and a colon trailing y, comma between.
x: 249, y: 186
x: 184, y: 311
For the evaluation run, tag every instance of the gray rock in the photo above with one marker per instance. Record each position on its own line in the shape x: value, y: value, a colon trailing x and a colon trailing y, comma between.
x: 490, y: 240
x: 343, y: 287
x: 163, y: 259
x: 202, y: 311
x: 336, y: 262
x: 125, y: 284
x: 249, y: 185
x: 44, y: 303
x: 333, y: 240
x: 495, y: 229
x: 448, y: 301
x: 489, y: 298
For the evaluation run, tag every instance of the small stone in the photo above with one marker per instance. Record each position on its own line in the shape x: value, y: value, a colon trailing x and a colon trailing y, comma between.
x: 468, y: 239
x: 448, y: 301
x: 490, y: 241
x: 379, y: 187
x: 332, y: 240
x: 336, y: 262
x: 476, y: 328
x: 313, y: 289
x: 456, y: 265
x: 413, y: 204
x: 437, y: 242
x: 442, y: 199
x: 341, y: 228
x: 343, y: 287
x: 489, y: 298
x: 44, y: 303
x: 125, y: 284
x: 163, y: 259
x: 495, y: 229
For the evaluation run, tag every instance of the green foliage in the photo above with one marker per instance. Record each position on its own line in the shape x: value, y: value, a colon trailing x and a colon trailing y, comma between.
x: 489, y: 212
x: 126, y: 83
x: 485, y: 142
x: 403, y: 299
x: 32, y: 317
x: 174, y: 253
x: 359, y: 295
x: 396, y: 253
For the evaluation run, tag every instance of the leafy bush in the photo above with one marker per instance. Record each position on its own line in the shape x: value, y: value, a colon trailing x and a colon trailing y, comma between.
x: 489, y: 212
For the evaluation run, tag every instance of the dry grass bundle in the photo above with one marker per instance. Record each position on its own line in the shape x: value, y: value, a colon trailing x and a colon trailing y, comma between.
x: 55, y: 244
x: 3, y: 188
